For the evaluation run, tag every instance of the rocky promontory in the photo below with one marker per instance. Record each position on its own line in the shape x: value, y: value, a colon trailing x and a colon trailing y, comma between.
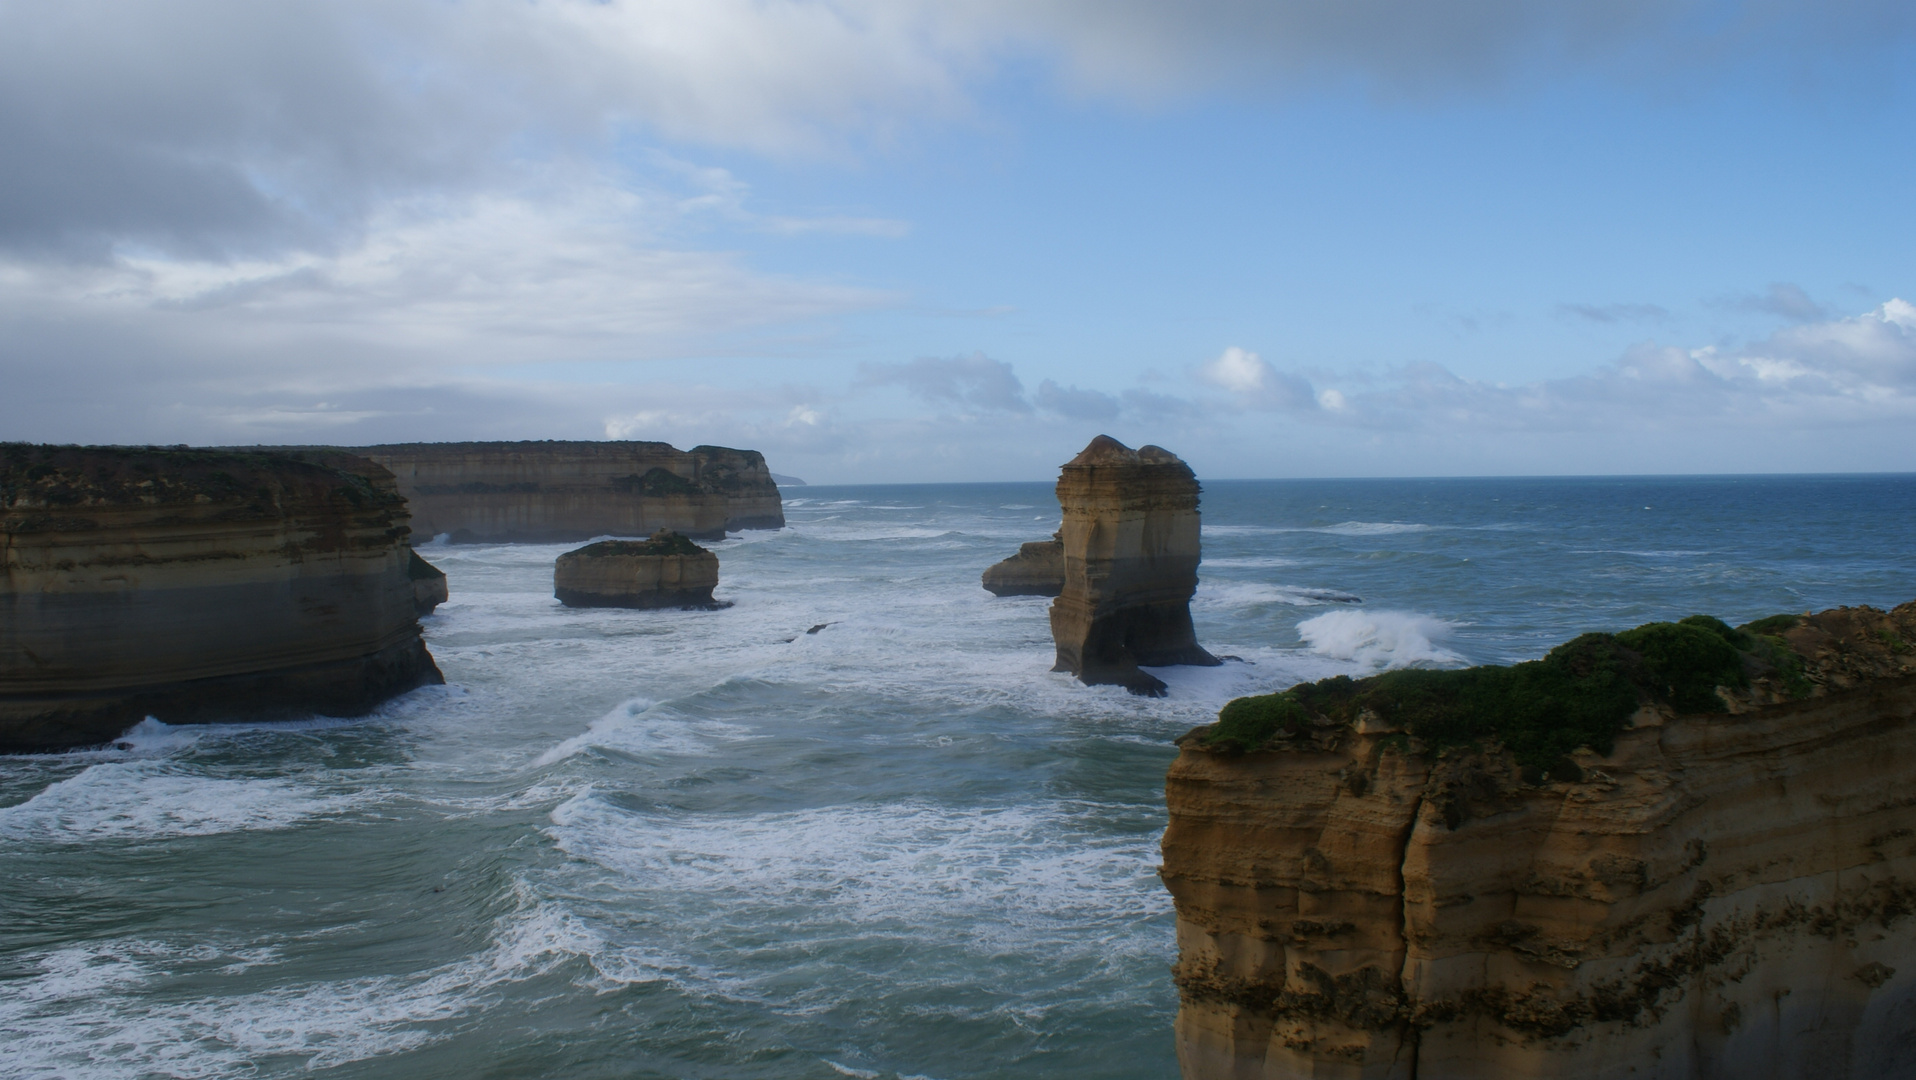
x: 1681, y: 851
x: 1130, y: 544
x: 195, y: 585
x: 1036, y: 570
x: 665, y: 571
x: 541, y: 492
x: 428, y: 584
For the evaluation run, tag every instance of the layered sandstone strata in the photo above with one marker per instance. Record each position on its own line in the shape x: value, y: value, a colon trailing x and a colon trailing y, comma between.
x: 559, y: 491
x: 1705, y: 894
x: 1130, y: 540
x: 1037, y: 570
x: 428, y: 584
x: 666, y: 571
x: 194, y: 585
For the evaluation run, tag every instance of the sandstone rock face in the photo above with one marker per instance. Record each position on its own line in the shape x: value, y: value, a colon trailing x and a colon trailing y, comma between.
x: 1037, y: 570
x: 558, y: 491
x: 1130, y: 539
x: 196, y: 585
x: 428, y: 584
x: 1726, y: 895
x: 666, y: 571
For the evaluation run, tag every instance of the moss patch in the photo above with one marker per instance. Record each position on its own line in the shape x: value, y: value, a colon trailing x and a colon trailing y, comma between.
x: 1579, y: 695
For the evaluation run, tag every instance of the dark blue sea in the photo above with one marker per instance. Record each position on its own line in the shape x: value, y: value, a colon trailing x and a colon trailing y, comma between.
x: 714, y: 844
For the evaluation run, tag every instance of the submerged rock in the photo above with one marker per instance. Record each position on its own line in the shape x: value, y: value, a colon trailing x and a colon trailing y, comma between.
x: 1037, y: 570
x: 197, y: 585
x: 428, y: 584
x: 1130, y: 545
x: 492, y: 492
x: 1684, y: 851
x: 666, y: 571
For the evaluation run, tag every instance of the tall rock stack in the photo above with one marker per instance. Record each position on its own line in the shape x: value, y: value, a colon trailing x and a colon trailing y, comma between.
x: 1130, y: 537
x: 195, y: 585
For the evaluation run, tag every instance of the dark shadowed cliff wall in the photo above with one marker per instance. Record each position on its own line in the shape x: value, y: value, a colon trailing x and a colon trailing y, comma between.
x: 194, y: 585
x: 563, y: 491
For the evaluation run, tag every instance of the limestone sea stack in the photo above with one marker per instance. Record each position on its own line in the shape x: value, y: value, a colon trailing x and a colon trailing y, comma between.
x: 1130, y: 540
x: 195, y: 585
x: 1681, y: 851
x: 544, y: 492
x: 1037, y: 570
x: 666, y: 571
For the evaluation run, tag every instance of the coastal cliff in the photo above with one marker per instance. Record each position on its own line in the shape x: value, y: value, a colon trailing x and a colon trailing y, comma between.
x: 559, y: 491
x: 1131, y: 549
x: 1683, y: 851
x: 194, y: 585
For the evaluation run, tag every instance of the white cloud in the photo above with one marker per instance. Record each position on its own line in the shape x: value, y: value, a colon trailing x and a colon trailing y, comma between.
x: 1254, y: 383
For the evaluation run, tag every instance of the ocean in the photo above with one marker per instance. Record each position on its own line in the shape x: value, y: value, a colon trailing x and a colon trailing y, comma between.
x: 850, y: 826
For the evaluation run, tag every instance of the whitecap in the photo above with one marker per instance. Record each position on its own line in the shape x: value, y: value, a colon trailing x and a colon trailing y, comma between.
x: 1379, y: 639
x: 145, y: 800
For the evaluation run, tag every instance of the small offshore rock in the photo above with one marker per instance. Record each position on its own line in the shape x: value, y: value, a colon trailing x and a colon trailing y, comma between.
x: 665, y: 571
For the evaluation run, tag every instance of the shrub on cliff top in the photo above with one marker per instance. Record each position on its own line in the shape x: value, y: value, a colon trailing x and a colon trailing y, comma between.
x: 1579, y: 695
x: 663, y: 542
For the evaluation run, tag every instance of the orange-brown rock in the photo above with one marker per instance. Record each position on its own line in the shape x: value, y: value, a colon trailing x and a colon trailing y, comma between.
x: 1037, y: 570
x: 559, y: 491
x: 666, y: 571
x: 1726, y: 895
x: 1130, y: 537
x: 194, y: 585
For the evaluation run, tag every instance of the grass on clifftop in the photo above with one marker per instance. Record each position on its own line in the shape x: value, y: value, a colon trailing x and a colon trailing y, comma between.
x: 662, y: 542
x: 1579, y: 695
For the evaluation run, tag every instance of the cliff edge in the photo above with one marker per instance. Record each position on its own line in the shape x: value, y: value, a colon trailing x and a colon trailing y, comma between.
x: 1682, y: 851
x: 537, y: 492
x: 1131, y: 549
x: 194, y: 585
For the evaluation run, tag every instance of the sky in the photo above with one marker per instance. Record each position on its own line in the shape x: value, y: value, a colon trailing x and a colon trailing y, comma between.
x: 891, y: 241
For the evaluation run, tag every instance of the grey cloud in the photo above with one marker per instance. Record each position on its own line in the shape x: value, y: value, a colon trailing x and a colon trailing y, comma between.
x: 1783, y: 299
x: 1141, y: 48
x: 974, y: 381
x: 1611, y: 314
x: 1075, y: 404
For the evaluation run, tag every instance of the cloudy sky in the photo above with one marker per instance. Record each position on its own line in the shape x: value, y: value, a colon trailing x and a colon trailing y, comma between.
x: 898, y: 240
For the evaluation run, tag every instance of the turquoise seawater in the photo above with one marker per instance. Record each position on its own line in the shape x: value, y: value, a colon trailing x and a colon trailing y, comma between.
x: 712, y: 844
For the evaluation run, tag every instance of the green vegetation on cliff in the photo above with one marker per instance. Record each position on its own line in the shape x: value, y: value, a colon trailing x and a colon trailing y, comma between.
x: 663, y: 542
x: 1580, y: 694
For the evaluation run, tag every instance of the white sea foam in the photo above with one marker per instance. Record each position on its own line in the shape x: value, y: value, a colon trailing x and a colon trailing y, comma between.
x: 143, y: 800
x: 1009, y: 873
x: 1251, y: 562
x: 93, y: 1010
x: 1379, y: 639
x: 1238, y: 594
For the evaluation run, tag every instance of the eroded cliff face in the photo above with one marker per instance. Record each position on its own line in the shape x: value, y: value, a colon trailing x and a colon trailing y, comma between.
x: 194, y: 585
x: 1131, y: 549
x: 665, y: 571
x: 1722, y: 895
x: 1037, y: 570
x: 558, y: 491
